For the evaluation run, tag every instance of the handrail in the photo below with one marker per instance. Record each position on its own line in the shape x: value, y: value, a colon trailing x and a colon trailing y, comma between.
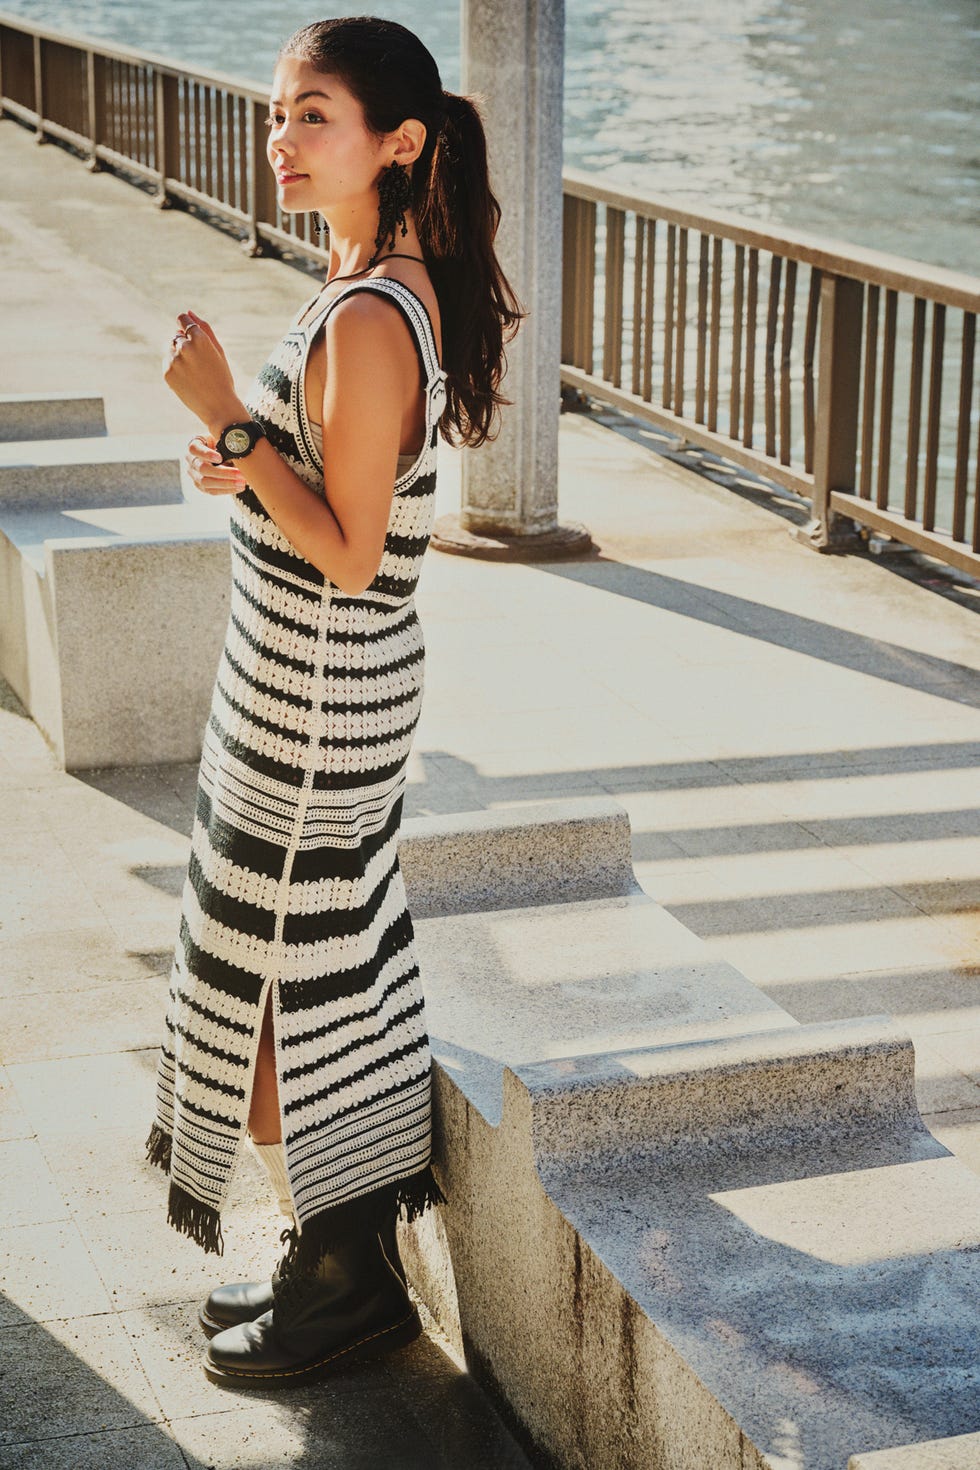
x: 896, y: 272
x: 116, y: 51
x: 868, y: 412
x: 697, y: 331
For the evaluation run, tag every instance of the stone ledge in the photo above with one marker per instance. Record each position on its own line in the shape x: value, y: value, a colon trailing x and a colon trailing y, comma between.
x: 546, y: 853
x: 121, y: 470
x: 55, y: 416
x: 513, y: 987
x: 29, y: 530
x: 735, y: 1095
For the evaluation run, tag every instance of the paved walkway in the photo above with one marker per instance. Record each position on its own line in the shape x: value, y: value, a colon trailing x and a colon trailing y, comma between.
x: 796, y: 739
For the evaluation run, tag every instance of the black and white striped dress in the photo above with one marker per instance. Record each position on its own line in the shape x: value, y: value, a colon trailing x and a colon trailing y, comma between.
x: 293, y: 884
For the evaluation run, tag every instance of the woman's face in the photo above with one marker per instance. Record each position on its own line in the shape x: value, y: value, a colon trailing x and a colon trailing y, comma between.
x: 320, y: 150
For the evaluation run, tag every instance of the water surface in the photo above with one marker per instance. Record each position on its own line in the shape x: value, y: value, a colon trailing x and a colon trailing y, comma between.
x: 855, y: 118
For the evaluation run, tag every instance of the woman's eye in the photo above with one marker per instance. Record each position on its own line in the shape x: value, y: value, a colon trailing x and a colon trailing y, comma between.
x: 276, y: 120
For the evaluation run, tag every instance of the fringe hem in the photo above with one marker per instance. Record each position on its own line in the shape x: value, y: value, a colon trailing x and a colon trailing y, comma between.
x: 186, y: 1214
x: 409, y: 1197
x: 158, y: 1148
x: 194, y: 1218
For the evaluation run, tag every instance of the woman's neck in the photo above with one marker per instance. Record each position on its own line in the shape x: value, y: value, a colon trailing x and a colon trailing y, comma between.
x: 349, y: 254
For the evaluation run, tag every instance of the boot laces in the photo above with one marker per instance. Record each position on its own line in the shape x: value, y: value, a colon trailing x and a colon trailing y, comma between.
x: 290, y: 1240
x: 288, y: 1280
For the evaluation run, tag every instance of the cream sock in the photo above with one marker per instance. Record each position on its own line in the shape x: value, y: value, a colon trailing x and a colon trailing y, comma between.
x: 273, y: 1159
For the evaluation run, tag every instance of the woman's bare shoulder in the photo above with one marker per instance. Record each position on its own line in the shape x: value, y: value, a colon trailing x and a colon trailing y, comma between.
x: 372, y: 312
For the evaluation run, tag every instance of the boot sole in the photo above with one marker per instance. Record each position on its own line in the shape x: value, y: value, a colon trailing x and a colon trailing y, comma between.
x: 212, y: 1327
x: 375, y: 1345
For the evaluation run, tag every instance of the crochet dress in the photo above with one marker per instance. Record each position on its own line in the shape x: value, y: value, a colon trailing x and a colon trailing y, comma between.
x: 293, y: 885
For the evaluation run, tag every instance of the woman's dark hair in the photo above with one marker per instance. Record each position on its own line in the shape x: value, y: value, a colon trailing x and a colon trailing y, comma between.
x: 394, y: 77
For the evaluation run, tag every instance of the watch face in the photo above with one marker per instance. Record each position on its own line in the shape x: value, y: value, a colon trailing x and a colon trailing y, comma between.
x: 238, y: 441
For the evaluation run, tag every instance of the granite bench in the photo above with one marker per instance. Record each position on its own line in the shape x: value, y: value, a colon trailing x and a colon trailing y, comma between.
x: 113, y: 597
x: 682, y: 1229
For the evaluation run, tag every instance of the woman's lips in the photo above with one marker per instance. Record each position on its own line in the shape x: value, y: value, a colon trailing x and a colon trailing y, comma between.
x: 285, y: 176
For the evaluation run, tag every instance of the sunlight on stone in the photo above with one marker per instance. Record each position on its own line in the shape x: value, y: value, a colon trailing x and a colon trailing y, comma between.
x: 650, y: 1062
x: 840, y: 1218
x: 787, y: 1451
x: 142, y: 850
x: 141, y: 520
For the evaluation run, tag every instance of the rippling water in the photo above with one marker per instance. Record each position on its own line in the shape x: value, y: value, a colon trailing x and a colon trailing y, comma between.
x: 855, y: 118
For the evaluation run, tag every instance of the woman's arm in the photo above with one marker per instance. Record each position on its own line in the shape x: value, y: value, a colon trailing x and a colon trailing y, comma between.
x: 363, y: 403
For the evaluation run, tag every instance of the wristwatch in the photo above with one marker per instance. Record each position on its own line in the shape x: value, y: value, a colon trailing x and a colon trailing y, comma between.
x: 238, y: 440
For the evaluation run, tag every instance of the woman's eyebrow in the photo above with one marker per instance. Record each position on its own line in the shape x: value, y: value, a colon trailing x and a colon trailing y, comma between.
x: 301, y: 97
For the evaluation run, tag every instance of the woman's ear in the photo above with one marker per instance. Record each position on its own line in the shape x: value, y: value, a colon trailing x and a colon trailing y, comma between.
x: 409, y: 141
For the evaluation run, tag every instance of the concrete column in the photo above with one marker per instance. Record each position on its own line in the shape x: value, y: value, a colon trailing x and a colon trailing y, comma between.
x: 513, y: 62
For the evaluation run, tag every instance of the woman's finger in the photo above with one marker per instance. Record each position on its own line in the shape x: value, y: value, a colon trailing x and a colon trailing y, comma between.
x: 219, y: 480
x: 208, y: 471
x: 206, y: 327
x: 203, y: 451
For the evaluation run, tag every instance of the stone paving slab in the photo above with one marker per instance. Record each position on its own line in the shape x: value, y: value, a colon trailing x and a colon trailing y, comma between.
x: 118, y: 1449
x: 69, y: 1376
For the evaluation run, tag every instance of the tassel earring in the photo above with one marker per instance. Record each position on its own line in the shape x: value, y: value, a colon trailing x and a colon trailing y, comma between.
x: 394, y: 197
x: 319, y: 224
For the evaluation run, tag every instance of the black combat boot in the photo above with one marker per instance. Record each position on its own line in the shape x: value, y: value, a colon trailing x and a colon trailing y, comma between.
x: 243, y: 1301
x: 351, y: 1307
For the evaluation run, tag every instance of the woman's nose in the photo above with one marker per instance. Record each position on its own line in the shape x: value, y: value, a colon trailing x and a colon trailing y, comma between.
x: 281, y: 146
x: 280, y: 134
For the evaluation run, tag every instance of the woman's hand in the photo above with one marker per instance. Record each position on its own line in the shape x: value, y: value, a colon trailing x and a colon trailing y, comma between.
x: 197, y: 370
x: 206, y: 470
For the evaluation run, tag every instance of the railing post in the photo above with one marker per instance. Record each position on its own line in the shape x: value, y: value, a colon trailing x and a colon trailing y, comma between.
x: 569, y: 277
x: 257, y: 177
x: 94, y: 78
x: 39, y: 89
x: 836, y: 436
x: 166, y: 104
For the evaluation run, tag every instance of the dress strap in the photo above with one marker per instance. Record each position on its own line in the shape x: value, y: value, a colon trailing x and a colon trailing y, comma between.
x: 414, y: 311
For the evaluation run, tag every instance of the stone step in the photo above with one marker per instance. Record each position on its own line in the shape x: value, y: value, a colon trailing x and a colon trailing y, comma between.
x: 672, y: 1107
x: 477, y: 861
x: 515, y: 986
x: 121, y: 470
x: 53, y: 416
x: 682, y: 1229
x: 29, y: 529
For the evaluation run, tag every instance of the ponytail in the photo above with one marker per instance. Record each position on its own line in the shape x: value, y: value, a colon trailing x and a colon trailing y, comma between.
x: 457, y: 220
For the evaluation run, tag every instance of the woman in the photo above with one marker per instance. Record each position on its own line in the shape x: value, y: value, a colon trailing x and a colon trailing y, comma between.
x: 296, y: 1011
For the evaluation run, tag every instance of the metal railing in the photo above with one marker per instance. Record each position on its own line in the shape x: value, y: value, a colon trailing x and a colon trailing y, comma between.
x: 690, y: 320
x: 195, y: 137
x: 686, y: 319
